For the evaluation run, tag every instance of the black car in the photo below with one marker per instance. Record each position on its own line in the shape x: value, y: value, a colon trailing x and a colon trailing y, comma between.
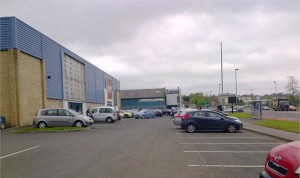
x: 2, y: 122
x: 209, y: 120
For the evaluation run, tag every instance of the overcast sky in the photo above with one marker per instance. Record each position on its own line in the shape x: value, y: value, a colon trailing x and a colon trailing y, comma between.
x: 170, y: 43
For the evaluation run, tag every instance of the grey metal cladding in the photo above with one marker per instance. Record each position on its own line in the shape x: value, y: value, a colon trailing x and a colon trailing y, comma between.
x: 53, y: 59
x: 6, y: 29
x: 99, y: 81
x: 28, y: 40
x: 143, y: 93
x: 90, y: 82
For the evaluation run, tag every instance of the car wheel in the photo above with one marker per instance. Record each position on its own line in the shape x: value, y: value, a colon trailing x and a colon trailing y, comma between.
x: 42, y: 125
x: 191, y: 128
x: 125, y: 116
x: 231, y: 128
x: 78, y: 124
x: 109, y: 120
x: 143, y: 117
x: 2, y: 125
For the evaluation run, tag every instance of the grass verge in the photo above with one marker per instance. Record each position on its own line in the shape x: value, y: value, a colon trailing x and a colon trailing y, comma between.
x: 240, y: 115
x: 49, y: 129
x: 291, y: 126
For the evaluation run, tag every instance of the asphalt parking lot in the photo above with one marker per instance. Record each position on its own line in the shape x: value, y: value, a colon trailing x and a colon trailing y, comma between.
x: 134, y: 148
x: 221, y: 154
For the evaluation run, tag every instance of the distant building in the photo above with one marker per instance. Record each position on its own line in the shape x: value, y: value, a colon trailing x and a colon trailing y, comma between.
x: 157, y: 98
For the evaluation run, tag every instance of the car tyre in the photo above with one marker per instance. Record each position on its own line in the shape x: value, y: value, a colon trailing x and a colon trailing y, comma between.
x: 109, y: 120
x: 125, y: 116
x: 143, y: 117
x: 2, y: 125
x: 231, y: 128
x: 78, y: 124
x: 41, y: 125
x: 191, y: 128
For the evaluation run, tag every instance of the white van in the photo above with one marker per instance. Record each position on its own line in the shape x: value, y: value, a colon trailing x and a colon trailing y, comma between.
x: 105, y: 113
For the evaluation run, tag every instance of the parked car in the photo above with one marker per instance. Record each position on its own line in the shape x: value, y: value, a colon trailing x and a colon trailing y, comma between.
x: 158, y: 113
x: 126, y: 114
x: 209, y: 120
x: 145, y: 114
x: 2, y: 122
x: 266, y: 108
x: 178, y: 115
x: 166, y: 112
x: 292, y: 108
x: 283, y: 161
x: 54, y: 117
x: 106, y: 113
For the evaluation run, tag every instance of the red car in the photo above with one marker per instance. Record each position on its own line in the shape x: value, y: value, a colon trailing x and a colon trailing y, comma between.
x: 283, y: 161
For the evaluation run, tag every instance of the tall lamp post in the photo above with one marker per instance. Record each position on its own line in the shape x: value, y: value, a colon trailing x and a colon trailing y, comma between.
x: 235, y: 87
x: 275, y: 89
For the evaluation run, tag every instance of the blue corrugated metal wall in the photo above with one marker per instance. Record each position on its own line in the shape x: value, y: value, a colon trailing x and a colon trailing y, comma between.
x: 52, y: 56
x: 99, y: 81
x: 7, y: 31
x: 129, y: 104
x: 16, y: 34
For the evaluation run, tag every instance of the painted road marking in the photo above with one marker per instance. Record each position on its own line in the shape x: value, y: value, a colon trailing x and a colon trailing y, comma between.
x: 228, y: 166
x: 225, y: 151
x: 19, y: 152
x: 230, y: 143
x: 221, y: 137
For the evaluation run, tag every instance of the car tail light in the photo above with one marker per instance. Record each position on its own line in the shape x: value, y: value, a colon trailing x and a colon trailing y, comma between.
x: 178, y: 116
x: 186, y: 116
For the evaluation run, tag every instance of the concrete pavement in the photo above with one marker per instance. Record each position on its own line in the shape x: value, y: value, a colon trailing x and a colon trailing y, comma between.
x: 288, y: 136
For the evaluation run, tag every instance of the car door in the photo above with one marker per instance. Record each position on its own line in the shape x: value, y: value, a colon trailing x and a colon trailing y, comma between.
x: 65, y: 118
x: 52, y: 117
x: 98, y: 114
x: 215, y: 121
x: 200, y: 119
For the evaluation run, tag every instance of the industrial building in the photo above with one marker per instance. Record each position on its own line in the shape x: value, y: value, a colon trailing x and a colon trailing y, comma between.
x: 157, y: 98
x: 37, y: 72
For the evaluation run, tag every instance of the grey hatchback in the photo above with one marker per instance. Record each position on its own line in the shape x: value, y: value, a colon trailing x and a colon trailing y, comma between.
x: 55, y: 117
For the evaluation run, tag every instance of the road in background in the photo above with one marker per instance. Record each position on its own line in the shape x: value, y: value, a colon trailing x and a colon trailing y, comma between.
x: 287, y: 115
x: 134, y: 148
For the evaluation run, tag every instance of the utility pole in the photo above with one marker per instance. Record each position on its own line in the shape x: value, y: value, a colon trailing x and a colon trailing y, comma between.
x: 222, y: 77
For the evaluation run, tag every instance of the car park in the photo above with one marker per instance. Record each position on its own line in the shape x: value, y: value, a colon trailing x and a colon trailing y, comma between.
x: 145, y: 114
x: 55, y: 117
x: 106, y: 113
x: 283, y: 161
x: 2, y: 122
x: 209, y: 120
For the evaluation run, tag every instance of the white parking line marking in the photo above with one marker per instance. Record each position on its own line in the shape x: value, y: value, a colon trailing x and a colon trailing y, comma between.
x: 225, y: 151
x: 19, y: 152
x: 229, y: 166
x: 275, y: 143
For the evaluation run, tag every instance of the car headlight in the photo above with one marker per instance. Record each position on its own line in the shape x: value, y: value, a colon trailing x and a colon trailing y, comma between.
x: 298, y: 171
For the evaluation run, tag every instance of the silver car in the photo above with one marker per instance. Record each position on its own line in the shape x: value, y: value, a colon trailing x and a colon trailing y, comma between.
x: 105, y: 113
x: 177, y: 116
x: 56, y: 117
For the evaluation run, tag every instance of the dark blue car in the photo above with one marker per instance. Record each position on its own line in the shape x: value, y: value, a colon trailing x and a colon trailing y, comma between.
x: 209, y: 120
x: 2, y: 122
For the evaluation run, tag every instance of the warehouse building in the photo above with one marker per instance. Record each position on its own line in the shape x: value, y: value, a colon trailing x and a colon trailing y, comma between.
x: 157, y: 98
x: 37, y: 72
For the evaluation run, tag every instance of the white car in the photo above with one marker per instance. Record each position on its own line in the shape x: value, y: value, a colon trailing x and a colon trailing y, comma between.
x: 105, y: 113
x: 178, y: 115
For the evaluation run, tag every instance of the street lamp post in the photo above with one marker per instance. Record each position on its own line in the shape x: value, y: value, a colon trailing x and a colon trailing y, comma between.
x: 275, y: 88
x: 235, y: 87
